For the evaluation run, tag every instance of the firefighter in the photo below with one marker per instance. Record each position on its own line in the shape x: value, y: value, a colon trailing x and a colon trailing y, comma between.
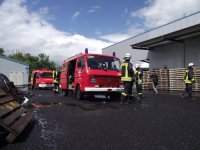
x: 139, y: 81
x: 56, y: 79
x: 189, y: 80
x: 127, y: 78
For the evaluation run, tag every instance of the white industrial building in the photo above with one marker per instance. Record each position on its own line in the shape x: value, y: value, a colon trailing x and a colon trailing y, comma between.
x: 124, y: 47
x: 16, y: 71
x: 172, y: 45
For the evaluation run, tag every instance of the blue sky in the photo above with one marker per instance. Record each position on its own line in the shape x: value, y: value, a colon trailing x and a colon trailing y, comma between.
x: 62, y: 28
x: 90, y: 18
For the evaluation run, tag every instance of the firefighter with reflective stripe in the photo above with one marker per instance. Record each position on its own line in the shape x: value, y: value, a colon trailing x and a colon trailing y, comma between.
x: 127, y: 78
x: 56, y: 80
x: 139, y: 81
x: 189, y: 80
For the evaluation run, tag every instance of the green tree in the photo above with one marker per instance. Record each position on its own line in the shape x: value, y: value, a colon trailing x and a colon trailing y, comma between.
x: 35, y: 62
x: 18, y: 56
x: 2, y: 52
x: 44, y: 62
x: 32, y: 61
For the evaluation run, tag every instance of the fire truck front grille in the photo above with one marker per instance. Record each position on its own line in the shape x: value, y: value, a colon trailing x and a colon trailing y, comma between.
x: 105, y: 81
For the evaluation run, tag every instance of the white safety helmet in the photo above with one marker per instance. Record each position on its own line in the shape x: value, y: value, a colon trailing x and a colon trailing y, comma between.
x: 127, y: 56
x: 137, y: 65
x: 190, y: 64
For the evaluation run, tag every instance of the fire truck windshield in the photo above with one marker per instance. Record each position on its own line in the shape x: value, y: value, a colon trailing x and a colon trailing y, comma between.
x: 46, y: 75
x: 103, y: 62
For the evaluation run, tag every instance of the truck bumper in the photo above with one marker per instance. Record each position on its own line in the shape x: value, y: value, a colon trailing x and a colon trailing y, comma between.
x: 93, y: 89
x: 45, y: 85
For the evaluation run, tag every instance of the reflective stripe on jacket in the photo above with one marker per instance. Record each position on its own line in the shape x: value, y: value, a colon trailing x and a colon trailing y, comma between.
x: 55, y: 77
x: 187, y: 78
x: 139, y: 78
x: 126, y: 75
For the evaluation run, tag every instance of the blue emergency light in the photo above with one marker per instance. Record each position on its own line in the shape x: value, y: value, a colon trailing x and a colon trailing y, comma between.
x: 86, y: 50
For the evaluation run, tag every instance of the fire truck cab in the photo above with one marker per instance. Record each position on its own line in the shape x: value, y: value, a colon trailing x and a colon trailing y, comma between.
x: 90, y: 74
x: 42, y: 79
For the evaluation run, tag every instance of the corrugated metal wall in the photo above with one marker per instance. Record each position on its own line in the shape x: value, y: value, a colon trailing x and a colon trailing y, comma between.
x: 172, y: 55
x: 9, y: 68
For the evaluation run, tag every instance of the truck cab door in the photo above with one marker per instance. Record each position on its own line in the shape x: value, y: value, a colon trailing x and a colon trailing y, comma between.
x: 80, y: 70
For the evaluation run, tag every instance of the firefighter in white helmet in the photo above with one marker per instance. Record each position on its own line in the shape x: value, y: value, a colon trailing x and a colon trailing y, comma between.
x: 139, y: 81
x: 189, y: 80
x: 127, y: 78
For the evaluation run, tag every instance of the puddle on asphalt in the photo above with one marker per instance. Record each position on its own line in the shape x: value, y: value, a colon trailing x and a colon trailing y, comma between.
x: 92, y: 106
x: 87, y: 107
x: 43, y: 105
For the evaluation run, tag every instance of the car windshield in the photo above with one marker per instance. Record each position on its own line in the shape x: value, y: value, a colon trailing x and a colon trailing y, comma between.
x: 46, y: 75
x: 103, y: 62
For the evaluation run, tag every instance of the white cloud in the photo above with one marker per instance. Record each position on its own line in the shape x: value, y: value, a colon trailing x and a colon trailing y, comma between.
x: 29, y: 32
x: 93, y: 9
x: 117, y: 37
x: 44, y: 12
x: 135, y: 30
x: 75, y: 15
x: 159, y: 12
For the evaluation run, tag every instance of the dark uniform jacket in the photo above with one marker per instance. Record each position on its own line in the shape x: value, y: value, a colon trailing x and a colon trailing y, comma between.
x: 129, y: 70
x: 154, y: 78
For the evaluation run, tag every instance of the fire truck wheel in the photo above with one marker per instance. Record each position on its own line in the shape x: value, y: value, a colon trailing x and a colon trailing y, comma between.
x: 79, y: 94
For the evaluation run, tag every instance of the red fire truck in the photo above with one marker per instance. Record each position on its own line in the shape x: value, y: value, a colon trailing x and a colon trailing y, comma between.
x: 90, y: 74
x: 42, y: 79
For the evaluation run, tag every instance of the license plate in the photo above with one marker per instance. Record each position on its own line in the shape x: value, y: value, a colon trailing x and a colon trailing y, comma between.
x: 49, y: 85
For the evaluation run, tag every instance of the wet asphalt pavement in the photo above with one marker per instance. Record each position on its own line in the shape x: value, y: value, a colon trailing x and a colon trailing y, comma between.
x: 162, y: 122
